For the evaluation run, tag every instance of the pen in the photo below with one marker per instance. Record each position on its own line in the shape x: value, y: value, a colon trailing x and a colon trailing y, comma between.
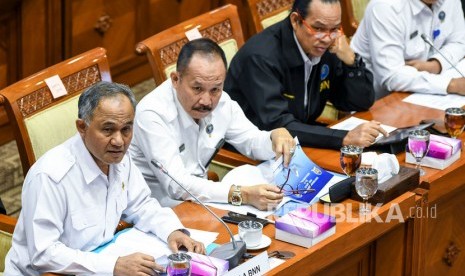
x: 217, y: 148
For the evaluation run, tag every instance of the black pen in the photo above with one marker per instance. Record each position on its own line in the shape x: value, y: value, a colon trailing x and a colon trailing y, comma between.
x: 217, y: 149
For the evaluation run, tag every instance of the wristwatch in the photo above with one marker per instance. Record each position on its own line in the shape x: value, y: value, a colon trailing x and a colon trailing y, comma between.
x: 236, y: 196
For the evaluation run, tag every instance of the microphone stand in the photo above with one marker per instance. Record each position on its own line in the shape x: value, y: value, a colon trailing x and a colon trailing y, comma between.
x: 231, y: 251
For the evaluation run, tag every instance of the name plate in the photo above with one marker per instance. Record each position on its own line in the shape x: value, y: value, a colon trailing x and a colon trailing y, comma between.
x: 258, y: 265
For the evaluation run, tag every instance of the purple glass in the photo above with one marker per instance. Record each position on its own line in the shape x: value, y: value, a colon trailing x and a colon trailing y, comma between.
x: 179, y: 264
x: 418, y: 144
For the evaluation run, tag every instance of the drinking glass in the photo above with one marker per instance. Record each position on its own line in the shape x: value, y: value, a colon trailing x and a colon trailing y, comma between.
x: 366, y: 185
x: 350, y: 158
x: 418, y: 144
x: 454, y: 121
x: 179, y: 264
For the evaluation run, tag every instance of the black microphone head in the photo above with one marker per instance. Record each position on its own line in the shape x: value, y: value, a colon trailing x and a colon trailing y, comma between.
x: 159, y: 166
x: 426, y: 39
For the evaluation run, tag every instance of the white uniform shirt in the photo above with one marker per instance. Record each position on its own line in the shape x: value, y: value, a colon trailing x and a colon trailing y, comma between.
x: 70, y: 208
x: 163, y: 131
x: 390, y: 34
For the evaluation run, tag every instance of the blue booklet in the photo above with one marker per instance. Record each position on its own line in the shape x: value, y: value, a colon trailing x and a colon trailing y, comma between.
x: 302, y: 179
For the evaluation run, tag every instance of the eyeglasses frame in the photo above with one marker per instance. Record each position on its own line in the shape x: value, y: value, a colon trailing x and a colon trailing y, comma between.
x: 292, y: 190
x: 319, y: 34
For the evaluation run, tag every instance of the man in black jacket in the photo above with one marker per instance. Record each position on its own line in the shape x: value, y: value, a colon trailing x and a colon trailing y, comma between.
x: 283, y: 76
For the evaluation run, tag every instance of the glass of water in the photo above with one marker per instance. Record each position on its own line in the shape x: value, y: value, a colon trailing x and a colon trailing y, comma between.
x: 366, y: 185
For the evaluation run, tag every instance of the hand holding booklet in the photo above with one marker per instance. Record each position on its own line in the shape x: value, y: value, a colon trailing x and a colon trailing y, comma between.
x: 302, y: 179
x: 305, y: 184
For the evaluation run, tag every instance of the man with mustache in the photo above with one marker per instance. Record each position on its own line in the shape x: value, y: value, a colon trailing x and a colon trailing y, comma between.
x: 283, y: 77
x: 390, y: 40
x: 74, y: 196
x: 183, y: 120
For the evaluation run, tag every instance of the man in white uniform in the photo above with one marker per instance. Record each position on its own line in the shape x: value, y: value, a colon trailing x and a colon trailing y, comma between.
x: 182, y: 121
x: 74, y: 196
x: 389, y: 40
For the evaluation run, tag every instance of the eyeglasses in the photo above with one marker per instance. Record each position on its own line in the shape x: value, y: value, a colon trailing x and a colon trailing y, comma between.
x: 319, y: 34
x: 287, y: 189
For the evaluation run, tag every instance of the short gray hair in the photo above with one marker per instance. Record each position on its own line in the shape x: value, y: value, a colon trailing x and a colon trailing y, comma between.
x: 90, y: 99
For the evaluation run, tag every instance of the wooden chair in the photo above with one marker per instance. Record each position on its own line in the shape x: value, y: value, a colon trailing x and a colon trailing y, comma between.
x: 7, y: 227
x: 41, y: 122
x: 268, y: 12
x: 352, y: 14
x: 222, y: 25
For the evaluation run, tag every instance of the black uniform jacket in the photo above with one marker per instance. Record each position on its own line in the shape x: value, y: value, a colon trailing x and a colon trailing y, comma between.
x: 266, y: 78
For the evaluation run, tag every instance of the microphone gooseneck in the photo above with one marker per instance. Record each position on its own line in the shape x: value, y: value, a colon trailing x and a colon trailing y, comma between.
x: 160, y: 166
x: 430, y: 43
x: 232, y: 255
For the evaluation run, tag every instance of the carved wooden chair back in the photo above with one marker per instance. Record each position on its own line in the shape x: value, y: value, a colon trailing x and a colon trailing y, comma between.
x: 222, y: 25
x: 39, y: 120
x: 268, y: 12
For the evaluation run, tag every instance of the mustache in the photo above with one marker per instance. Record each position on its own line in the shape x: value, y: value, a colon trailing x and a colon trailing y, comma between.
x: 203, y: 108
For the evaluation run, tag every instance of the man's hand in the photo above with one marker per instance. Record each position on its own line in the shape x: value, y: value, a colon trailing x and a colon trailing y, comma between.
x: 432, y: 66
x: 177, y: 239
x: 263, y: 196
x: 342, y: 50
x: 364, y: 135
x: 282, y: 144
x: 456, y: 86
x: 136, y: 264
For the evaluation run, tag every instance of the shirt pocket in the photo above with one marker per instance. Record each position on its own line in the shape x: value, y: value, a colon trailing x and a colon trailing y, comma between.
x: 414, y: 49
x: 121, y: 203
x: 84, y: 219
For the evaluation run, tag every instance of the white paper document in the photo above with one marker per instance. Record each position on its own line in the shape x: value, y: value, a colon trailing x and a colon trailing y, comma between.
x: 441, y: 102
x: 133, y: 240
x: 352, y: 122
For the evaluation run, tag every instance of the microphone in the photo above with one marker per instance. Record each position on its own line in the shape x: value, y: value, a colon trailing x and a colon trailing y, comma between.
x: 430, y: 43
x: 231, y: 251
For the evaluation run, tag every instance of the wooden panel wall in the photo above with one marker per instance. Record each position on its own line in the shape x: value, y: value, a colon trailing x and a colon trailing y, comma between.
x: 35, y: 34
